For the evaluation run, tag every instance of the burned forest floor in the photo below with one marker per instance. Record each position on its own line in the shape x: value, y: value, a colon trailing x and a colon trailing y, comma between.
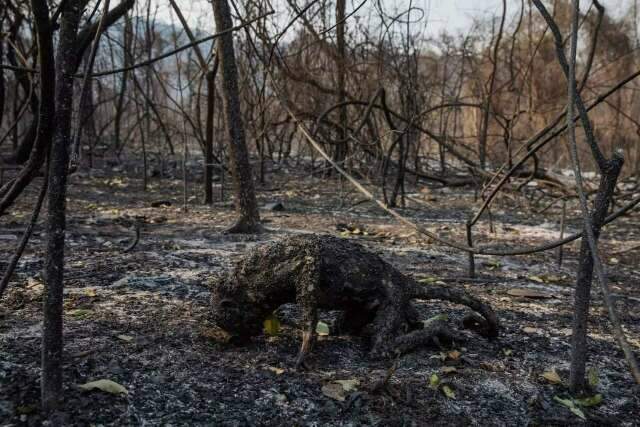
x: 139, y: 317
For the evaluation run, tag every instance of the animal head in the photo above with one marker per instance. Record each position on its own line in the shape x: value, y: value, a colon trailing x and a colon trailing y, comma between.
x: 232, y: 311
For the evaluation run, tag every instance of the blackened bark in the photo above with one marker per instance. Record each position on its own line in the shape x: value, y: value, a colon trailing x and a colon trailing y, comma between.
x: 582, y: 295
x: 208, y: 147
x: 342, y: 147
x: 2, y: 87
x: 52, y: 338
x: 88, y: 132
x: 249, y: 221
x: 117, y: 122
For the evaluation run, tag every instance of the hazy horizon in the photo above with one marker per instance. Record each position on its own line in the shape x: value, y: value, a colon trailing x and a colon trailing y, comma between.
x: 453, y: 16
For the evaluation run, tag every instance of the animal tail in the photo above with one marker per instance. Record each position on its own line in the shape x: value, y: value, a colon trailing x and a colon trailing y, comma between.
x: 444, y: 293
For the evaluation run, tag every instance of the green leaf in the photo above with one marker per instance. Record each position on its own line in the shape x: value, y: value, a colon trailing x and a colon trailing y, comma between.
x: 448, y: 391
x: 322, y: 329
x: 592, y: 377
x: 80, y: 313
x: 569, y: 404
x: 107, y: 386
x: 590, y: 401
x: 439, y: 317
x: 434, y: 380
x: 27, y: 409
x: 271, y: 325
x: 493, y: 264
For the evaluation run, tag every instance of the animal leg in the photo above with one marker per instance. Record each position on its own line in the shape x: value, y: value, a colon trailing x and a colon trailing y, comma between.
x: 307, y: 288
x: 309, y: 335
x: 385, y: 328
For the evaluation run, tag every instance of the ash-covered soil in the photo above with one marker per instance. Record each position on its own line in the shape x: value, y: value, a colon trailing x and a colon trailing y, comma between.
x: 139, y: 318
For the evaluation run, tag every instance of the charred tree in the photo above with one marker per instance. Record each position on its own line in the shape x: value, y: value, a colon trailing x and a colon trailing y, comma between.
x: 2, y: 85
x: 51, y: 380
x: 341, y: 148
x: 127, y: 35
x: 246, y: 205
x: 208, y: 147
x: 582, y: 295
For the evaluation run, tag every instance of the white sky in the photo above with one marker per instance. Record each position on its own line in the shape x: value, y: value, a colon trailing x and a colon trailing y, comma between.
x: 450, y: 15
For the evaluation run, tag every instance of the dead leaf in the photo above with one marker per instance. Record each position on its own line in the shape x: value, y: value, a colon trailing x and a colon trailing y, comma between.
x: 492, y: 366
x: 528, y: 293
x: 275, y: 370
x: 348, y: 385
x: 567, y: 332
x: 536, y: 279
x: 215, y: 334
x: 454, y: 355
x: 334, y: 391
x: 339, y: 389
x: 552, y: 376
x: 125, y: 338
x: 107, y: 386
x: 448, y: 369
x: 531, y: 330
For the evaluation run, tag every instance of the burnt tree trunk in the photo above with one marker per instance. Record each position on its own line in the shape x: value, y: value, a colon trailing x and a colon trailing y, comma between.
x: 117, y: 121
x: 208, y: 148
x: 341, y: 148
x: 88, y: 133
x: 249, y: 221
x: 2, y: 86
x: 51, y: 385
x: 582, y: 294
